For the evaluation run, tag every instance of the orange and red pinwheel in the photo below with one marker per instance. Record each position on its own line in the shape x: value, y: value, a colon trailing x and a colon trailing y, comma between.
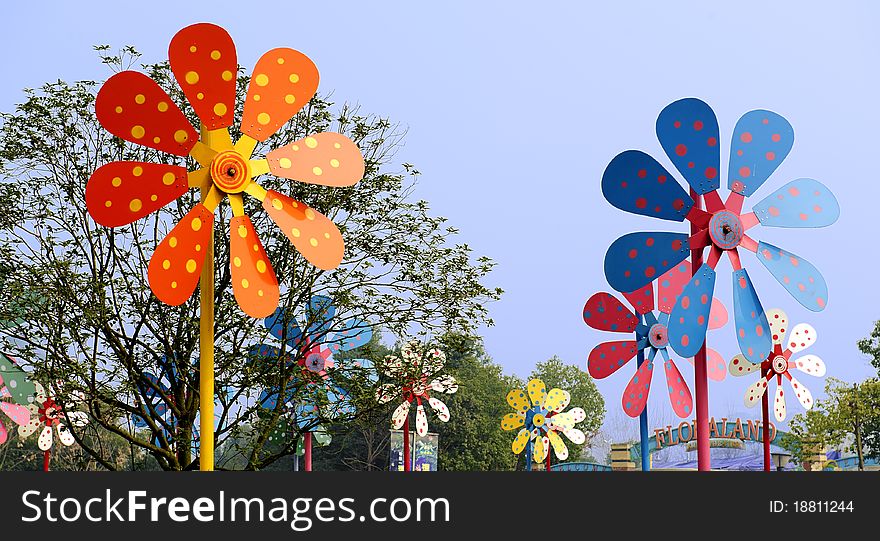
x: 133, y: 107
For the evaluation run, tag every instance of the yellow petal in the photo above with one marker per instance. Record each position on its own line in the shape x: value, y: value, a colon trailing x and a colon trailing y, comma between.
x: 537, y: 392
x: 512, y: 420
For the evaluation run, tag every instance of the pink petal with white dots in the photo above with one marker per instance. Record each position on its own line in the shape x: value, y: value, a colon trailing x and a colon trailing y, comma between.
x: 802, y: 336
x: 3, y: 434
x: 754, y: 393
x: 440, y: 408
x: 715, y: 365
x: 635, y: 396
x: 20, y: 415
x: 810, y: 364
x: 717, y: 315
x: 679, y: 393
x: 778, y: 321
x: 740, y: 366
x: 399, y: 416
x: 421, y: 421
x: 45, y: 440
x: 779, y: 404
x: 804, y: 396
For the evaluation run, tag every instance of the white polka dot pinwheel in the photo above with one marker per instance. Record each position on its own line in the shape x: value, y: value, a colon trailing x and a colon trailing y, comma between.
x: 133, y: 107
x: 541, y: 416
x: 47, y: 413
x: 779, y: 364
x: 416, y: 375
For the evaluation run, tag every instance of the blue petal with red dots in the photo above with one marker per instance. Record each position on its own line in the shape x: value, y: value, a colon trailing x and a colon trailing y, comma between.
x: 802, y: 280
x: 688, y: 131
x: 320, y: 316
x: 690, y: 315
x: 761, y: 141
x: 608, y: 357
x: 637, y: 259
x: 636, y: 183
x: 604, y: 312
x: 679, y: 393
x: 752, y: 329
x: 275, y: 324
x: 800, y: 203
x: 642, y: 299
x: 635, y: 396
x: 671, y: 284
x: 356, y: 333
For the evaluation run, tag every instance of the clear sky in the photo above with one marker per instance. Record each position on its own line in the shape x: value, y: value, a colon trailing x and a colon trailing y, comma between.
x: 515, y: 108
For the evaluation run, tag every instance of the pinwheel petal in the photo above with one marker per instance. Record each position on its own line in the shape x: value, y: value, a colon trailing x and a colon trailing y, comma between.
x: 679, y: 393
x: 576, y: 435
x: 717, y: 370
x: 688, y: 132
x: 275, y: 323
x: 26, y: 430
x: 755, y: 392
x: 176, y: 264
x: 44, y: 442
x: 778, y: 321
x: 512, y: 421
x: 802, y: 336
x: 133, y: 107
x: 65, y: 435
x: 356, y: 333
x: 577, y: 415
x: 39, y: 393
x: 18, y: 385
x: 314, y: 235
x: 319, y: 317
x: 809, y: 364
x: 518, y: 401
x: 608, y: 357
x: 752, y: 329
x: 540, y: 452
x: 78, y: 418
x: 3, y: 433
x: 537, y: 392
x: 421, y: 421
x: 253, y: 280
x: 385, y: 393
x: 445, y: 384
x: 555, y: 398
x: 689, y: 318
x: 717, y: 315
x: 635, y: 396
x: 605, y: 313
x: 779, y: 404
x: 439, y: 407
x: 800, y: 203
x: 19, y: 414
x: 797, y: 275
x: 119, y: 193
x: 804, y: 396
x: 519, y: 443
x: 566, y: 399
x: 203, y: 59
x: 635, y: 182
x: 740, y: 366
x: 327, y: 159
x: 761, y: 141
x: 642, y: 299
x: 400, y: 414
x: 283, y: 82
x: 559, y: 447
x: 671, y: 284
x: 637, y: 259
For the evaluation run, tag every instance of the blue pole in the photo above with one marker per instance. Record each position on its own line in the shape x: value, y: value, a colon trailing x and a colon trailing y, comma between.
x: 529, y: 455
x: 643, y: 422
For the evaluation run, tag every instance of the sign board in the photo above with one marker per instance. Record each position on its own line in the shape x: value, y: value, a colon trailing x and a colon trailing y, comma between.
x: 424, y: 451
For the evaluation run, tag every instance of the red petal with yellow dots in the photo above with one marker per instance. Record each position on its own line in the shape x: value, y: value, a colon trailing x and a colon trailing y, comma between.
x: 283, y: 82
x: 328, y: 159
x: 314, y: 235
x: 253, y: 280
x: 121, y: 192
x: 133, y: 107
x: 202, y: 57
x: 177, y: 262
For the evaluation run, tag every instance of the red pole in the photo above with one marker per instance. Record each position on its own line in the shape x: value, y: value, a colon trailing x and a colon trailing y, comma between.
x: 406, y: 458
x: 307, y: 448
x: 765, y: 408
x: 46, y: 457
x: 548, y: 459
x: 701, y: 382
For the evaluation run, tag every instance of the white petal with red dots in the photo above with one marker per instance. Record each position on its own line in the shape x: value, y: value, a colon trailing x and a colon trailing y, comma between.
x: 576, y: 435
x: 779, y: 404
x: 440, y: 408
x: 65, y: 435
x: 45, y: 440
x: 740, y: 366
x: 399, y: 416
x: 804, y: 396
x: 754, y: 393
x: 421, y: 421
x: 26, y: 430
x: 778, y: 321
x: 802, y: 336
x: 810, y: 364
x: 445, y: 384
x: 385, y: 393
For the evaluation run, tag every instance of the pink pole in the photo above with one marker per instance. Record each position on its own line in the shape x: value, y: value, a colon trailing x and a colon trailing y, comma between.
x: 765, y: 428
x: 406, y: 458
x: 307, y: 448
x: 46, y: 457
x: 701, y: 383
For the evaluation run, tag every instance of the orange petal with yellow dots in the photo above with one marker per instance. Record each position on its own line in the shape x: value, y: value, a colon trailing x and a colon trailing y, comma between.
x: 202, y: 57
x: 121, y: 192
x: 253, y: 280
x: 133, y: 107
x: 314, y: 235
x: 177, y: 262
x: 283, y: 82
x: 328, y: 159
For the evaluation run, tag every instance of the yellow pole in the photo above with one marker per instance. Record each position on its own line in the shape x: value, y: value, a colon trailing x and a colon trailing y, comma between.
x: 206, y: 347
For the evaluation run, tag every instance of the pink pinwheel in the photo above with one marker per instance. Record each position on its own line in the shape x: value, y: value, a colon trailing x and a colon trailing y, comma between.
x: 19, y: 414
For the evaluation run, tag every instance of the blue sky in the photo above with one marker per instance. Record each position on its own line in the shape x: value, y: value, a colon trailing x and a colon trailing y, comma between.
x: 514, y: 110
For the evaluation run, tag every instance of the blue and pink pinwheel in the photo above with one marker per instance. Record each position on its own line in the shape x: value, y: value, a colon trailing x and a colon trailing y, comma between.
x: 637, y: 183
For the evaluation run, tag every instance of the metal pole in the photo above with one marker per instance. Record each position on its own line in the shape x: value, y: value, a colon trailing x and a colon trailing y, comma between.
x: 701, y: 382
x: 407, y: 466
x: 765, y: 429
x: 206, y: 347
x: 529, y: 452
x: 307, y: 444
x: 643, y: 425
x: 547, y: 466
x: 47, y: 456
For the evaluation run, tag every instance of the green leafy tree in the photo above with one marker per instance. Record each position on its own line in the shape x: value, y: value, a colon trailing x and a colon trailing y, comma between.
x: 99, y: 328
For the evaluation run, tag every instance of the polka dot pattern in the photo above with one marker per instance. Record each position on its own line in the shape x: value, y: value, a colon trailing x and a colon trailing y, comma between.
x: 177, y: 262
x: 800, y: 203
x: 642, y: 299
x: 559, y: 447
x: 421, y: 421
x: 752, y: 329
x: 671, y: 284
x: 604, y: 312
x: 203, y: 59
x: 717, y: 371
x: 356, y: 333
x: 555, y: 399
x: 761, y: 141
x: 439, y: 408
x: 810, y: 364
x: 635, y: 396
x: 518, y: 400
x: 754, y: 393
x: 798, y: 276
x: 717, y: 315
x: 608, y: 357
x: 689, y: 318
x: 17, y: 383
x: 637, y: 259
x: 688, y: 132
x: 328, y: 159
x: 520, y: 441
x: 740, y: 366
x: 400, y: 415
x: 314, y: 235
x: 778, y: 321
x: 537, y: 392
x: 679, y: 393
x: 283, y: 82
x: 512, y: 421
x: 119, y: 193
x: 635, y: 182
x: 804, y: 396
x: 803, y: 335
x: 133, y: 107
x: 779, y: 404
x: 253, y: 280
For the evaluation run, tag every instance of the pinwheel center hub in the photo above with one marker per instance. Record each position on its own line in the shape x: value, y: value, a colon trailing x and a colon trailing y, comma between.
x: 726, y: 230
x: 538, y: 420
x: 779, y: 364
x: 658, y: 336
x: 229, y: 171
x: 315, y: 362
x: 49, y: 412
